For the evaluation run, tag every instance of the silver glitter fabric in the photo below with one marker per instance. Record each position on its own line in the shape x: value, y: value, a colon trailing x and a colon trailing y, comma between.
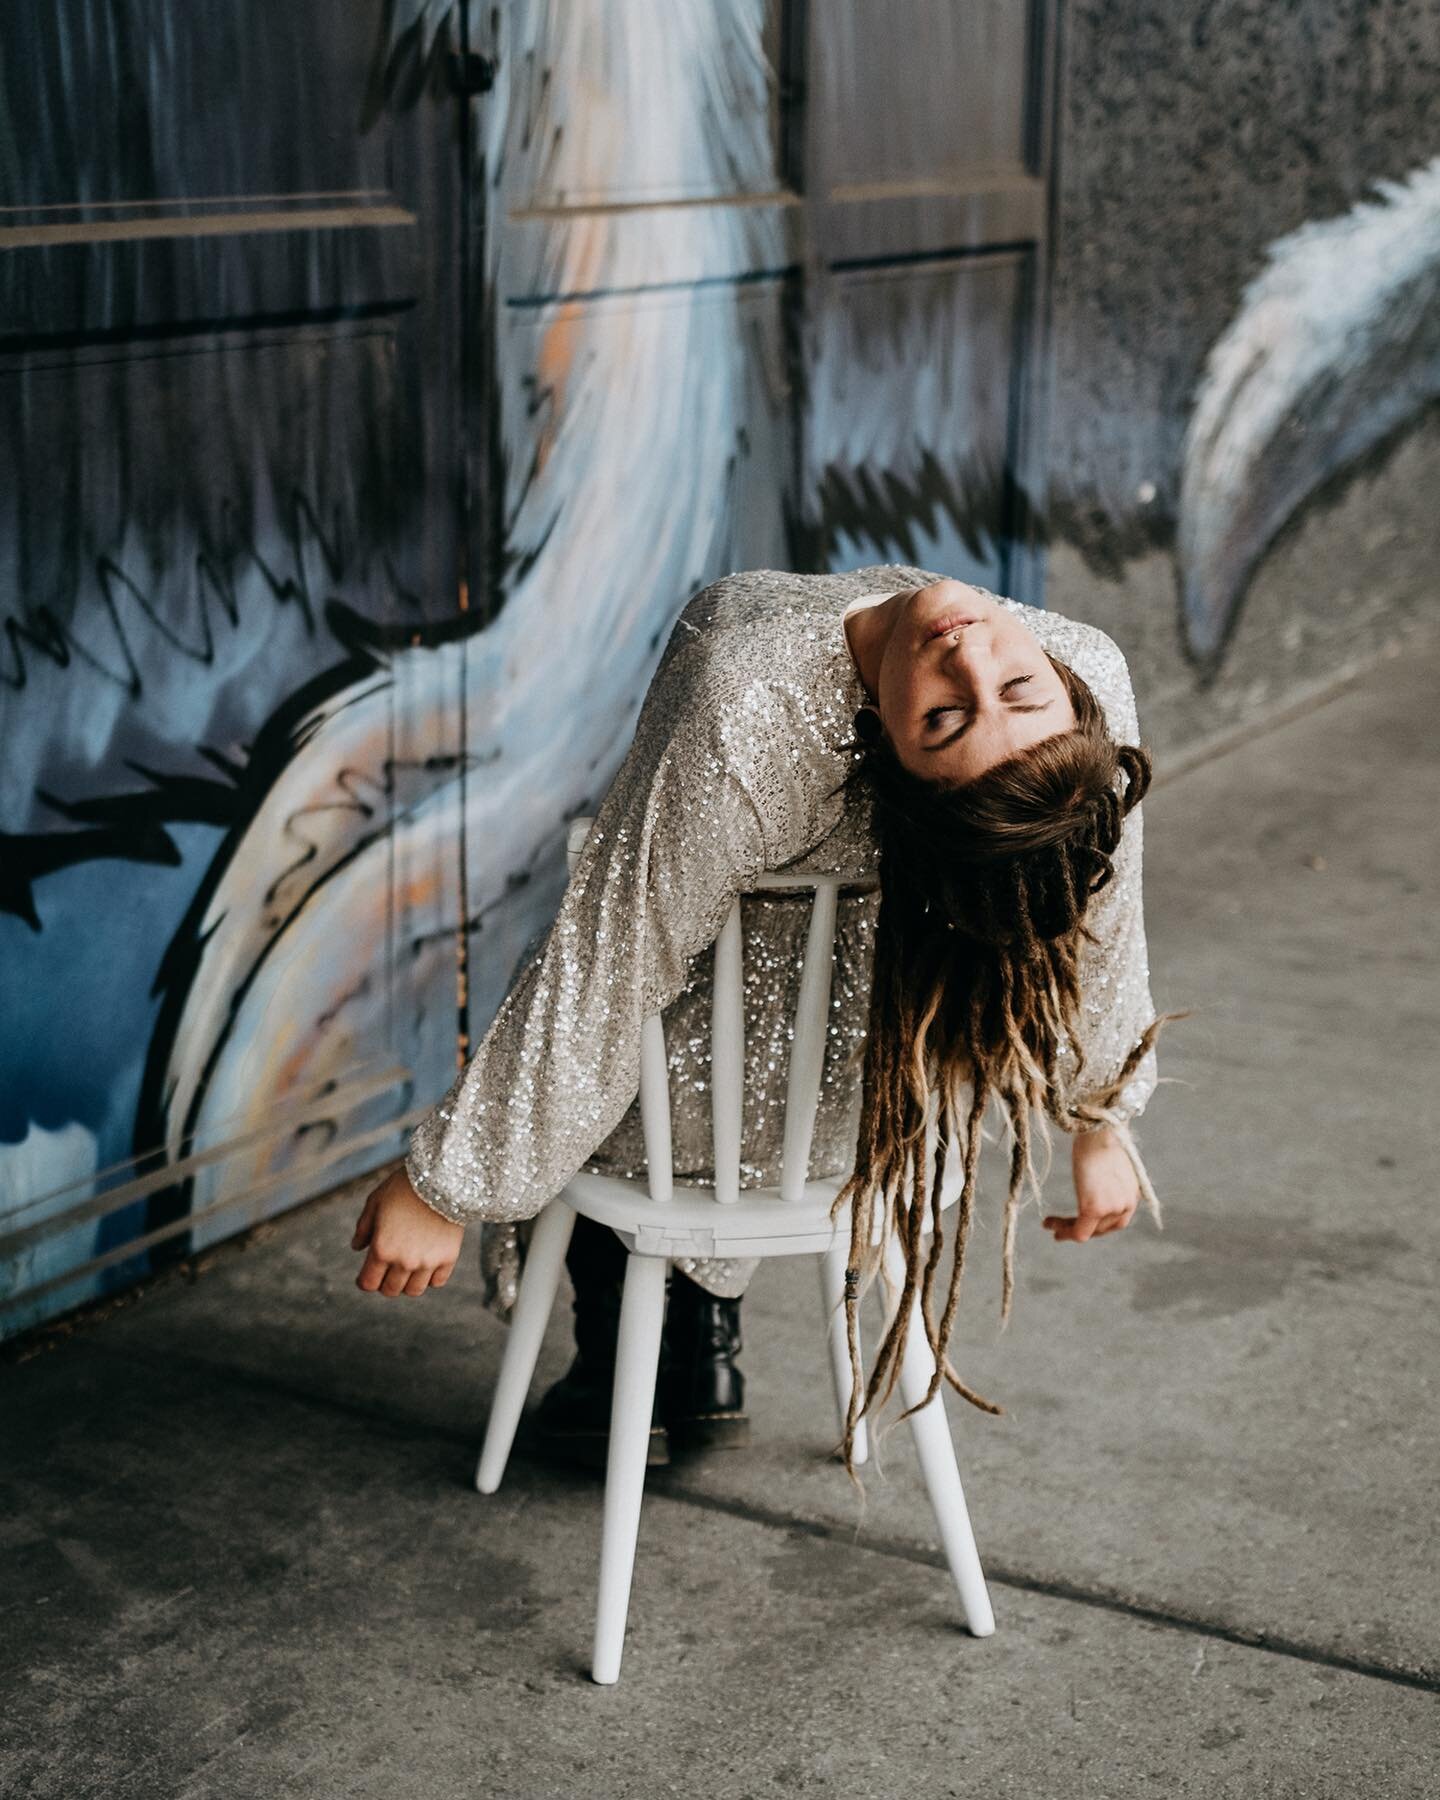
x: 736, y: 768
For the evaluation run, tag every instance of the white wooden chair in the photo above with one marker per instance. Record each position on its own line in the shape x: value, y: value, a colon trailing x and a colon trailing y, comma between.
x: 656, y: 1221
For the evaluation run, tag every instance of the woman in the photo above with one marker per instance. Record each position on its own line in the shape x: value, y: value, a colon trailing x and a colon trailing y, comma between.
x: 980, y: 757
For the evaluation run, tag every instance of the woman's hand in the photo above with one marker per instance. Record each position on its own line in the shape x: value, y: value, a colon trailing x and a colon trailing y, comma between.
x: 411, y: 1246
x: 1106, y: 1189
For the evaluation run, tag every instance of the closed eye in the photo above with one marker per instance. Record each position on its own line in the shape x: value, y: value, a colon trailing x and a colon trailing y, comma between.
x: 936, y: 713
x: 1008, y: 692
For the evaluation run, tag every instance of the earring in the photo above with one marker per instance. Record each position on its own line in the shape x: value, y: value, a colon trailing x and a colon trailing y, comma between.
x: 867, y: 726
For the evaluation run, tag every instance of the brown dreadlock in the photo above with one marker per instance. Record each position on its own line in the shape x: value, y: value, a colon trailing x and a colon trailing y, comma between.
x: 983, y: 890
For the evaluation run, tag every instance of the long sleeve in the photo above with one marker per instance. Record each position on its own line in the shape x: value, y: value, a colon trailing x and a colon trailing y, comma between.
x: 1115, y: 1000
x: 676, y: 838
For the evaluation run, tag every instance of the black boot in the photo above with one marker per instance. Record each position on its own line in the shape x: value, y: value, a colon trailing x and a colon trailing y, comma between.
x: 704, y: 1393
x: 572, y: 1422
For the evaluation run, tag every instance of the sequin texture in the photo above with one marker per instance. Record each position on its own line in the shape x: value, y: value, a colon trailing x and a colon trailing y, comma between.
x: 736, y: 767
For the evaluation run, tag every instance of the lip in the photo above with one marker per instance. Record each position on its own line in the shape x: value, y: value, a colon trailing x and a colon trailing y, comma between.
x: 951, y: 621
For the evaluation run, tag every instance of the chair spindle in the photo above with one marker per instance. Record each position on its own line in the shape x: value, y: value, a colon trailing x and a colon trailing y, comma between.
x: 807, y: 1048
x: 655, y: 1108
x: 727, y: 1058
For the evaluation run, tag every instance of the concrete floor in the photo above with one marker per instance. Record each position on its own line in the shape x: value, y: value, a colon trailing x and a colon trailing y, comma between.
x: 241, y: 1554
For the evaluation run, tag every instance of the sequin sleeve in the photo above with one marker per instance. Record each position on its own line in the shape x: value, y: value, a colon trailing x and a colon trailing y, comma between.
x: 677, y: 837
x: 1115, y: 1004
x: 1115, y: 982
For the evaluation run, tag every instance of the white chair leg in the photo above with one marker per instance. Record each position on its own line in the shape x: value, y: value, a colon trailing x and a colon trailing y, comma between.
x: 543, y: 1262
x: 637, y: 1356
x: 936, y: 1451
x: 833, y: 1264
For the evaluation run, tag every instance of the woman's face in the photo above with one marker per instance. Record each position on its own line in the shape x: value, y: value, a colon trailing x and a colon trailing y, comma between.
x: 964, y: 684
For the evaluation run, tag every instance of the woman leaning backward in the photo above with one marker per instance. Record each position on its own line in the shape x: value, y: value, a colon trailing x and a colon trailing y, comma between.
x: 982, y: 759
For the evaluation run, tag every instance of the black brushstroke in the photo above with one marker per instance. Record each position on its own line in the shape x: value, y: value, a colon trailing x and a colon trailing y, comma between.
x: 123, y: 827
x: 1106, y: 540
x: 984, y: 502
x: 401, y: 71
x: 131, y: 825
x: 27, y: 856
x: 61, y: 639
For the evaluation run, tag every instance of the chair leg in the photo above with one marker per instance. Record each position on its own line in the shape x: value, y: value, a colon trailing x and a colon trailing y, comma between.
x: 936, y: 1451
x: 832, y: 1297
x: 533, y: 1305
x: 642, y: 1315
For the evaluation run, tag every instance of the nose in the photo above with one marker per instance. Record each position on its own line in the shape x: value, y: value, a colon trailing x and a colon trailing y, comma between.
x: 966, y: 645
x: 968, y: 661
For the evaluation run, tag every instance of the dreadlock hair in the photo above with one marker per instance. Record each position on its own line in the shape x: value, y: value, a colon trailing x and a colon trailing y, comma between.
x: 983, y: 890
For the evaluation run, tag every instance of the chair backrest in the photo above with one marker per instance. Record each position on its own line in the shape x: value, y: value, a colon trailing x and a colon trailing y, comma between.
x: 727, y: 1043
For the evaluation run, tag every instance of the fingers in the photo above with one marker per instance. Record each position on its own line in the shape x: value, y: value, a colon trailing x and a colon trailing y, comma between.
x: 365, y: 1224
x: 409, y: 1248
x: 1087, y: 1225
x: 394, y: 1280
x: 1065, y: 1230
x: 372, y: 1272
x: 391, y: 1279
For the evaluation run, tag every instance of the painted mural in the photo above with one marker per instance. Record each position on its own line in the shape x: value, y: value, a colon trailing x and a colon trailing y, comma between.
x: 379, y: 455
x: 1335, y: 346
x: 222, y: 487
x: 265, y: 747
x: 1242, y: 443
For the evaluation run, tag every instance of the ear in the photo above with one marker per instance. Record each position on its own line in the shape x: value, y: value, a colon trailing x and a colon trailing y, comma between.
x: 867, y: 725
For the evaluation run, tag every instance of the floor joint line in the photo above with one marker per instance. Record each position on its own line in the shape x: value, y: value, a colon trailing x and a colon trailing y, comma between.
x: 1074, y: 1594
x: 662, y: 1486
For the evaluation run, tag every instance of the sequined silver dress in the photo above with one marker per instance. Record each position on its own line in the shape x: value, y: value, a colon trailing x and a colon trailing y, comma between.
x: 737, y: 767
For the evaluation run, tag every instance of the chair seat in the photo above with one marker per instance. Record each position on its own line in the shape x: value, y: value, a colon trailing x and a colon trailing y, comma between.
x: 692, y: 1223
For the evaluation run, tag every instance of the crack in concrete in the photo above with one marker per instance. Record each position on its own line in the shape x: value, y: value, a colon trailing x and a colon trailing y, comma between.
x: 1102, y: 1599
x: 661, y: 1485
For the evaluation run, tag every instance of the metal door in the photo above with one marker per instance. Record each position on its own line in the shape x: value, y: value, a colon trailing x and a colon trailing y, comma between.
x: 231, y: 500
x: 763, y: 287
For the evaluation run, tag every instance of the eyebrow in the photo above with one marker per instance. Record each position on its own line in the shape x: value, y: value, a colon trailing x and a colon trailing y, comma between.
x: 960, y: 730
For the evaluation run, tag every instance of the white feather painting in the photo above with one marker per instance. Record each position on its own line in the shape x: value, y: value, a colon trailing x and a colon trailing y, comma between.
x: 1333, y: 347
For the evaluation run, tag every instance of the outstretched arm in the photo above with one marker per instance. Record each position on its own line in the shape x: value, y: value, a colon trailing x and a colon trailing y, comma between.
x: 1116, y: 1007
x: 561, y: 1062
x: 676, y: 839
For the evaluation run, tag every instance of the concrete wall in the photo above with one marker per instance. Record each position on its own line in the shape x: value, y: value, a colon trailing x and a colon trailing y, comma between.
x: 1196, y: 139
